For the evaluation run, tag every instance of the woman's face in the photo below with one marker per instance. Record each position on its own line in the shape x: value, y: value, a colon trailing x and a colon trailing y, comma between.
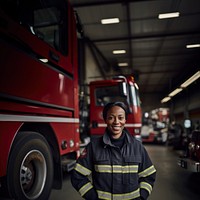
x: 115, y: 121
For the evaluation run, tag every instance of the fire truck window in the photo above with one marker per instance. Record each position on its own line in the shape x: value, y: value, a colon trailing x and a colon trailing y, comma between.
x: 104, y: 95
x: 49, y: 26
x: 46, y: 25
x: 41, y: 18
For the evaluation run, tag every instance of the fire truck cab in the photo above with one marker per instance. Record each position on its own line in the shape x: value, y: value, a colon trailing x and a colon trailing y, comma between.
x: 117, y: 89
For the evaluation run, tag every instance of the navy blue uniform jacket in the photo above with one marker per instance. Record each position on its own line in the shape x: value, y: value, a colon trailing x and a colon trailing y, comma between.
x: 105, y: 171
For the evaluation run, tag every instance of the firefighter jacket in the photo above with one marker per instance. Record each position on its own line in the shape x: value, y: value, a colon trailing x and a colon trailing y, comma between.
x: 105, y: 171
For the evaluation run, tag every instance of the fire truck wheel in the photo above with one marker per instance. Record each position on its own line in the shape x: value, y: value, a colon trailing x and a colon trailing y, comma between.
x: 30, y: 168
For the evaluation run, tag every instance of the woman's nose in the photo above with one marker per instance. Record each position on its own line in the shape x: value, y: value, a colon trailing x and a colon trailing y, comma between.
x: 116, y: 120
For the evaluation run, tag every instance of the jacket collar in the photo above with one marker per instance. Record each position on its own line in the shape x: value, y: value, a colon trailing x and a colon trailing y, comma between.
x: 107, y: 141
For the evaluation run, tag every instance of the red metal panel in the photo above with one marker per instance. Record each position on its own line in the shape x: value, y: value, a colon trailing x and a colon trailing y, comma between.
x: 7, y: 134
x: 31, y: 79
x: 66, y: 132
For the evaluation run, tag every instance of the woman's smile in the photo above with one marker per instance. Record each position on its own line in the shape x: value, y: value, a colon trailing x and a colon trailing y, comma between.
x: 115, y: 121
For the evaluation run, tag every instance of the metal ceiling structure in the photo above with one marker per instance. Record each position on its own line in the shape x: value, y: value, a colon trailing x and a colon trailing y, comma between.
x: 156, y: 50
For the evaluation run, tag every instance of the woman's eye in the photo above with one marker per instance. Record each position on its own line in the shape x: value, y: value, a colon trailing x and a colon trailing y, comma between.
x: 110, y: 118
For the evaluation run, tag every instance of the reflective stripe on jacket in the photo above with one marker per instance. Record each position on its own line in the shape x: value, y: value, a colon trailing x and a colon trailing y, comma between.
x: 108, y: 172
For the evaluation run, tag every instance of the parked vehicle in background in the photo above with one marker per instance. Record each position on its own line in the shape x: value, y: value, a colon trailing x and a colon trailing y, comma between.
x: 175, y: 135
x: 148, y: 133
x: 39, y: 113
x: 154, y: 128
x: 119, y: 88
x: 191, y: 160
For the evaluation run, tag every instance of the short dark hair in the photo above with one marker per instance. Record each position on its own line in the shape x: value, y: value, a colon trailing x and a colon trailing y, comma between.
x: 112, y: 104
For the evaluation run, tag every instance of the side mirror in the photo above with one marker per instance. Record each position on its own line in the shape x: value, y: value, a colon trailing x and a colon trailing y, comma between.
x: 123, y: 89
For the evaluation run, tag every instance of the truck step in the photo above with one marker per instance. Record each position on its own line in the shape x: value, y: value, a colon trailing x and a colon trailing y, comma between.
x: 68, y: 164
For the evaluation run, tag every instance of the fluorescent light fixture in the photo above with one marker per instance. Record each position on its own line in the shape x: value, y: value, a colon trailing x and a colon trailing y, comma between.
x: 168, y: 15
x: 110, y: 21
x: 166, y: 99
x: 122, y: 51
x: 189, y: 46
x: 191, y: 80
x: 183, y: 85
x: 123, y: 64
x: 176, y: 91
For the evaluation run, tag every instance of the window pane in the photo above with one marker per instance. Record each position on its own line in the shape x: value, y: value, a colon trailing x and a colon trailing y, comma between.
x: 104, y: 95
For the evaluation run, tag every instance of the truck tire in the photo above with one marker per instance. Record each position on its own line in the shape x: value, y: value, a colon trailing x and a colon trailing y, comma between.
x: 30, y: 168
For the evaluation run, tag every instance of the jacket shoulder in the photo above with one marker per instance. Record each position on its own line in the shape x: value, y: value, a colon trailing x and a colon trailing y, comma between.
x: 96, y: 141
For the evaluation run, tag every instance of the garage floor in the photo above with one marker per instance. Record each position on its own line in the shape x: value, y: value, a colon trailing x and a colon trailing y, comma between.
x: 172, y: 183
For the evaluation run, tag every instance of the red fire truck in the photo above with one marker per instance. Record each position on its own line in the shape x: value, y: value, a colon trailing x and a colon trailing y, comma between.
x: 117, y: 89
x: 39, y: 114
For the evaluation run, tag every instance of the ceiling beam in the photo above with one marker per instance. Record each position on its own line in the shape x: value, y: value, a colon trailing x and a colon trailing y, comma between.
x: 130, y: 52
x: 86, y: 4
x: 149, y: 36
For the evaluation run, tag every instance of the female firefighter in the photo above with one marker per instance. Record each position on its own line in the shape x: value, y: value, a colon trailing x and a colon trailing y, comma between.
x: 116, y: 165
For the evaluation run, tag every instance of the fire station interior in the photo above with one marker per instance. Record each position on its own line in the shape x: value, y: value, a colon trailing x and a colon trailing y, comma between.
x: 157, y: 42
x: 160, y: 54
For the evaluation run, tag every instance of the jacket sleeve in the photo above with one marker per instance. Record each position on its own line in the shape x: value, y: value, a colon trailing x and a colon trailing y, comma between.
x: 147, y: 175
x: 81, y: 173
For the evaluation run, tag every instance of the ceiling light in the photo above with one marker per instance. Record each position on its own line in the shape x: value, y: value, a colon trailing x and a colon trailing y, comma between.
x: 122, y: 64
x: 119, y: 51
x: 168, y: 15
x: 166, y: 99
x: 110, y: 21
x: 176, y: 91
x: 191, y: 79
x: 192, y: 46
x: 183, y: 85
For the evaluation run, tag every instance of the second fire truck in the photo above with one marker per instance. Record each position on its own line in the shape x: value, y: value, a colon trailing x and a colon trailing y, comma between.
x: 119, y: 88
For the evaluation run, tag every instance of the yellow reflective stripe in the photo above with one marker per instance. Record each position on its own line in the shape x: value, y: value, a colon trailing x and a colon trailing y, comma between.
x: 146, y: 186
x: 116, y: 168
x: 104, y: 195
x: 85, y: 188
x: 147, y: 171
x: 125, y: 169
x: 82, y: 169
x: 103, y: 168
x: 124, y: 196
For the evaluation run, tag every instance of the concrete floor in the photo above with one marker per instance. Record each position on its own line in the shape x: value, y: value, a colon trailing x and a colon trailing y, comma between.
x: 172, y: 183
